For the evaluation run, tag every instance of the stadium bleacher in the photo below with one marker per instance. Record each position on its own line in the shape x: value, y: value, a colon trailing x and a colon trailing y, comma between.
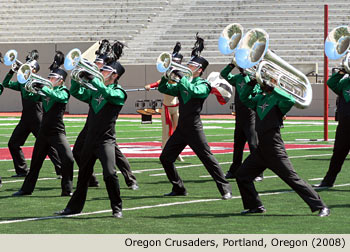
x: 152, y: 26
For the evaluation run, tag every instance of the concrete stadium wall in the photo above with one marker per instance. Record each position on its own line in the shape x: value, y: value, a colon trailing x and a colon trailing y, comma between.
x: 136, y: 76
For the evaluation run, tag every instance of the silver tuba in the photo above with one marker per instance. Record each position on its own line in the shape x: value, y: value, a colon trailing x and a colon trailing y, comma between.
x: 166, y: 65
x: 28, y: 78
x: 77, y: 64
x: 253, y: 52
x: 10, y: 59
x: 337, y: 45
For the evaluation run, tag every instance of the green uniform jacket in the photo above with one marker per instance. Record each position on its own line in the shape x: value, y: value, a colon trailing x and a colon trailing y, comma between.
x: 97, y: 99
x: 198, y: 88
x: 341, y: 87
x: 263, y: 103
x: 1, y: 88
x: 15, y: 85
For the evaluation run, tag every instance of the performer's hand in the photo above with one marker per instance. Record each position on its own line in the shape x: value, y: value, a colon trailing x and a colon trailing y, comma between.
x: 37, y: 86
x: 341, y: 71
x: 86, y: 76
x: 178, y: 73
x: 232, y: 64
x: 252, y: 82
x: 148, y: 87
x: 241, y: 70
x: 268, y: 86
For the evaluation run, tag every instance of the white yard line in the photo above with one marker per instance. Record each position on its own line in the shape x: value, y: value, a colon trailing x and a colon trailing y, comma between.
x: 143, y: 207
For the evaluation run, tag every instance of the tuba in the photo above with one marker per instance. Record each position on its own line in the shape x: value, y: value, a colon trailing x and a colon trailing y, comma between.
x: 28, y: 78
x: 337, y: 45
x: 77, y: 64
x: 167, y: 66
x: 253, y: 53
x: 10, y: 59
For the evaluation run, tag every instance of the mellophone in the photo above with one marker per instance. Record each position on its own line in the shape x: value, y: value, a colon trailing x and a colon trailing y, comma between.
x: 249, y: 51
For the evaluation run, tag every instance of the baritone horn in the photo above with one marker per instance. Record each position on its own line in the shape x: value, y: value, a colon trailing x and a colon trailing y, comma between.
x: 166, y: 65
x: 337, y: 45
x: 253, y: 52
x: 77, y: 64
x: 26, y: 76
x: 11, y: 59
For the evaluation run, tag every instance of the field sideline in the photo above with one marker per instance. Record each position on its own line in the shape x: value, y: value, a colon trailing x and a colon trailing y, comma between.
x: 146, y: 211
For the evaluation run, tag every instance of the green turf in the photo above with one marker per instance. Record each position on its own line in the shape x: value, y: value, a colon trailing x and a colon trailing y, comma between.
x: 203, y: 213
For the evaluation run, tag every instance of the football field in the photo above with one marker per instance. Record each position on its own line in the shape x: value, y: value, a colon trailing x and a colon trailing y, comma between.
x: 147, y: 211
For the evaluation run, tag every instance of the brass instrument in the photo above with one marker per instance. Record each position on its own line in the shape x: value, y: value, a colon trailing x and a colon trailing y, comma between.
x: 337, y: 45
x: 77, y: 64
x: 11, y: 59
x: 26, y: 76
x: 253, y: 52
x: 166, y: 65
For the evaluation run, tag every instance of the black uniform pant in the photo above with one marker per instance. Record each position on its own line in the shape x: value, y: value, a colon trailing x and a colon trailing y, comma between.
x: 340, y: 150
x: 243, y: 133
x: 271, y: 154
x: 198, y: 143
x: 41, y: 148
x: 18, y: 138
x: 121, y: 161
x: 106, y: 154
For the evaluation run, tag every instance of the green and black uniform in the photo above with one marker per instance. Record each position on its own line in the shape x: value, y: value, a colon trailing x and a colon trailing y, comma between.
x: 30, y: 122
x: 121, y: 161
x: 52, y: 134
x: 341, y: 147
x: 105, y: 105
x: 245, y: 119
x: 270, y: 153
x: 189, y: 131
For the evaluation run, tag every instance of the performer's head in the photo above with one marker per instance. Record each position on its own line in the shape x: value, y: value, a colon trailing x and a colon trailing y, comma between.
x: 57, y: 76
x: 197, y: 64
x: 111, y: 72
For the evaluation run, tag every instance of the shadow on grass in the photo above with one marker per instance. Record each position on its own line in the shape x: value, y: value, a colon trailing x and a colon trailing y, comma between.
x: 225, y: 215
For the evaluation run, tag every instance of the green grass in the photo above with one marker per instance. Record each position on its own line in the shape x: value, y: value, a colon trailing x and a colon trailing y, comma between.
x: 203, y: 213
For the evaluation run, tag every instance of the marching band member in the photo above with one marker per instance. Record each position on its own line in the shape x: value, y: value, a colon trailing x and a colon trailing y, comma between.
x: 51, y: 134
x: 30, y: 121
x: 270, y: 107
x: 189, y: 131
x: 105, y: 105
x: 245, y: 121
x: 170, y: 108
x: 106, y: 53
x: 341, y: 87
x: 1, y: 89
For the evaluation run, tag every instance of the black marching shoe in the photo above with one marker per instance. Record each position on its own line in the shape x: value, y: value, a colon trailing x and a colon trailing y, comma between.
x: 118, y: 215
x: 0, y: 182
x: 323, y: 185
x: 94, y: 184
x: 227, y: 196
x: 63, y: 194
x: 172, y: 193
x: 259, y: 179
x: 66, y: 211
x: 21, y: 193
x: 134, y: 187
x: 229, y: 175
x: 324, y: 212
x: 260, y: 209
x: 20, y: 175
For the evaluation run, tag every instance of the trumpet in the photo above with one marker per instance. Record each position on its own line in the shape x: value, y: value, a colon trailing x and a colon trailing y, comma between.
x: 253, y: 53
x: 337, y: 45
x: 77, y: 64
x: 26, y: 76
x: 166, y: 65
x: 11, y: 59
